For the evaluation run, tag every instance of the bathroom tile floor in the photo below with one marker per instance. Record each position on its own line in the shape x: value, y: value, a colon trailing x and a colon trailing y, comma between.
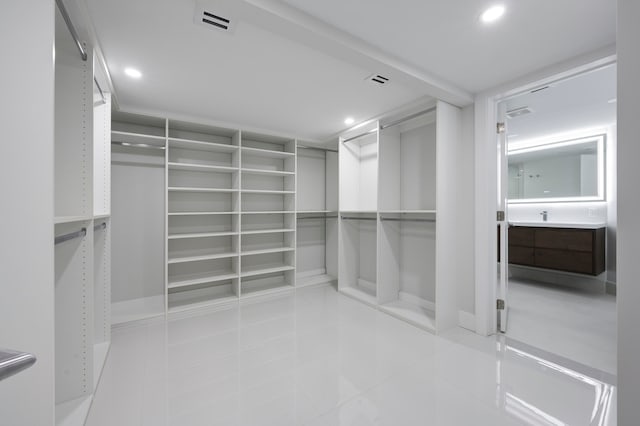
x: 568, y: 322
x: 319, y: 358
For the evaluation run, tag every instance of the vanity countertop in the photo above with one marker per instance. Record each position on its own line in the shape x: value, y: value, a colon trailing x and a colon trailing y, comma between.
x: 578, y: 225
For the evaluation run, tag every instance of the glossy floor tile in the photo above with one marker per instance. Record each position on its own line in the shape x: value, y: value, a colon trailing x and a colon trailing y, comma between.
x: 572, y: 323
x: 319, y: 358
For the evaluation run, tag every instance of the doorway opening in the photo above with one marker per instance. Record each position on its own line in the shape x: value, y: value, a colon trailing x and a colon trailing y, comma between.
x: 557, y: 186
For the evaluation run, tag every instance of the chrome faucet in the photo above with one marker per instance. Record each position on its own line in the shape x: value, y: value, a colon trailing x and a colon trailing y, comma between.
x: 544, y: 215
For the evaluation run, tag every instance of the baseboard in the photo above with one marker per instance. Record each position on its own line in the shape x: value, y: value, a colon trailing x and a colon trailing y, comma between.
x: 467, y: 320
x: 311, y: 273
x: 368, y: 285
x: 417, y: 301
x: 611, y: 288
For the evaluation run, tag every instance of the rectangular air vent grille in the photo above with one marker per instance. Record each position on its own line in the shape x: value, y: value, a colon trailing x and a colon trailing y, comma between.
x: 378, y: 79
x: 214, y: 20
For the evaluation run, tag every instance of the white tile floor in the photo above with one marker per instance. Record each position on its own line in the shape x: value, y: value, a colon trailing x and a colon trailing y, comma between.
x: 320, y: 358
x: 568, y: 322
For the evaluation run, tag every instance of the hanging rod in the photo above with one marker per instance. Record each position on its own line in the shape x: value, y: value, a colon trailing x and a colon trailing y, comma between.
x: 71, y: 236
x: 12, y: 362
x: 409, y: 117
x: 357, y: 218
x: 72, y: 30
x: 104, y: 100
x: 406, y: 219
x: 317, y: 217
x: 136, y: 145
x: 103, y: 225
x: 317, y: 148
x: 360, y: 135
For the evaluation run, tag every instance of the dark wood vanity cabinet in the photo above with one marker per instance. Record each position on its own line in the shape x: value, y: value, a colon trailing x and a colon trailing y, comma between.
x: 562, y: 249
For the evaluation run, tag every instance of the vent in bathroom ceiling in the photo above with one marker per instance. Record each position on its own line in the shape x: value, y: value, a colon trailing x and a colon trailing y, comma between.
x: 518, y: 112
x: 213, y: 20
x: 378, y: 79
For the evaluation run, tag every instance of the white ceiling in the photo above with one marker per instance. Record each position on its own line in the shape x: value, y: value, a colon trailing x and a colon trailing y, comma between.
x: 577, y: 104
x: 446, y: 38
x: 297, y: 67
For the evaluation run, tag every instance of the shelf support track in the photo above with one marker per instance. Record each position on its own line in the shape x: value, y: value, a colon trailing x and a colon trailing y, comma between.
x: 66, y: 237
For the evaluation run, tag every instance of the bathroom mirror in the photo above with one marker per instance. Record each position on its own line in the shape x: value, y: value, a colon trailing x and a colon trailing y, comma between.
x: 568, y: 170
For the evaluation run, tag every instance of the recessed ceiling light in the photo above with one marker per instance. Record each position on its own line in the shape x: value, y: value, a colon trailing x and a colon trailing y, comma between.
x: 132, y: 72
x: 349, y: 121
x: 492, y: 14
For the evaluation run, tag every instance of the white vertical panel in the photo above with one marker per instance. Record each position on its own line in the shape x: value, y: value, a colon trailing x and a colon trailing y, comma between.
x: 628, y: 207
x: 349, y: 165
x: 389, y: 259
x: 331, y: 185
x: 26, y: 184
x: 418, y: 172
x: 102, y: 157
x: 368, y: 177
x: 389, y: 169
x: 447, y: 134
x: 311, y: 180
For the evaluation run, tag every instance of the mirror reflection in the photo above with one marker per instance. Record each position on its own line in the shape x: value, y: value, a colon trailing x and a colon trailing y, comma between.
x: 562, y: 171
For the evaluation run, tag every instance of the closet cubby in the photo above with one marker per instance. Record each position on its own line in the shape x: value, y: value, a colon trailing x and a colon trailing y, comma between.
x: 358, y: 256
x: 316, y: 219
x: 264, y: 281
x: 358, y: 164
x: 138, y: 151
x: 407, y: 166
x: 406, y: 270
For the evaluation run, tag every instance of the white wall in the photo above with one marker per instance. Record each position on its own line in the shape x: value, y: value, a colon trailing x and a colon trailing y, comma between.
x: 628, y: 207
x: 26, y: 185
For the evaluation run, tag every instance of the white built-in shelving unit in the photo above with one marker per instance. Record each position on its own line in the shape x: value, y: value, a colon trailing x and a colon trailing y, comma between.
x: 138, y: 219
x: 396, y: 216
x: 317, y: 215
x: 82, y: 228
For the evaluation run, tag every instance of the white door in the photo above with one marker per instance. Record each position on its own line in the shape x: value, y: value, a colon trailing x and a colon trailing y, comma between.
x: 502, y: 221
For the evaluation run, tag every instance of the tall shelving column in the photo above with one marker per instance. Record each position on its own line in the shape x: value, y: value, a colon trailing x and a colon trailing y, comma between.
x: 267, y: 224
x: 203, y: 204
x: 137, y: 216
x: 316, y: 215
x: 358, y: 204
x: 73, y: 222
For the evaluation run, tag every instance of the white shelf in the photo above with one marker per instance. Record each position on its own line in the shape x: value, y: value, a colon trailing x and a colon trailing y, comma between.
x: 263, y: 270
x: 200, y: 146
x: 129, y: 137
x: 193, y: 189
x: 266, y: 231
x: 201, y: 235
x: 412, y: 313
x: 266, y: 290
x: 137, y: 309
x: 270, y: 212
x: 265, y: 251
x: 201, y: 167
x: 267, y: 153
x: 70, y: 219
x: 194, y: 279
x: 266, y: 191
x: 73, y: 413
x: 202, y: 302
x: 408, y: 211
x: 312, y: 280
x: 200, y: 213
x: 316, y: 211
x: 199, y: 258
x: 101, y: 216
x: 267, y: 172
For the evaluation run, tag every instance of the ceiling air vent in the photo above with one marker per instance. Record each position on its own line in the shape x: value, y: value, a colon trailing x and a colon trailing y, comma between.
x: 215, y: 20
x: 518, y: 112
x: 377, y: 79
